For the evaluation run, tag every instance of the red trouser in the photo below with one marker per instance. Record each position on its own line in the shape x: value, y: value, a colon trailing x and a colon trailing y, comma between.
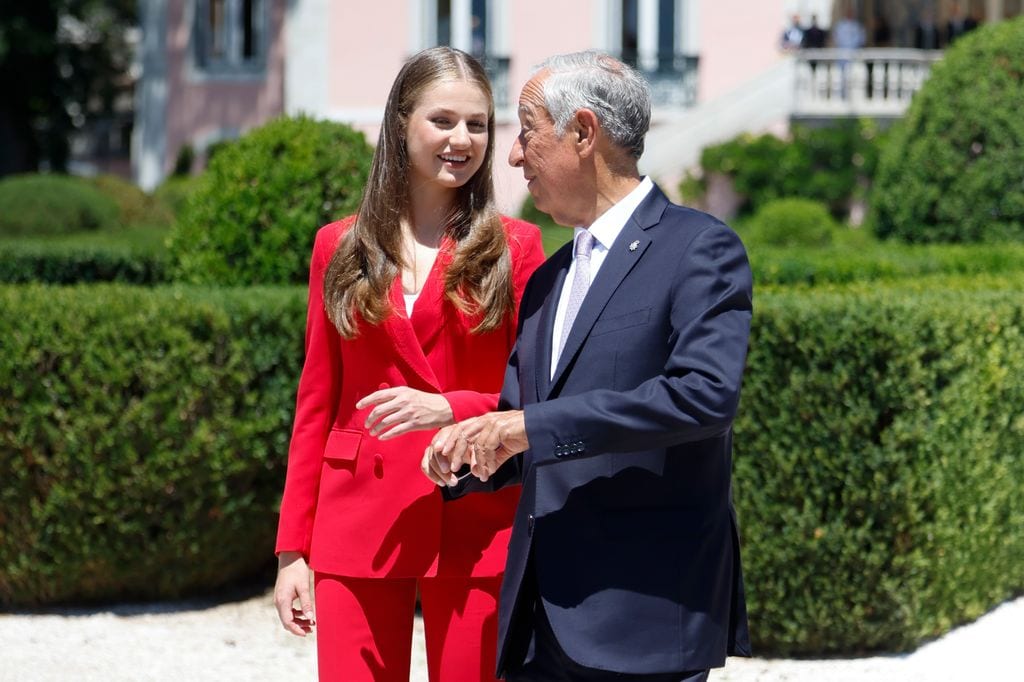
x: 364, y: 627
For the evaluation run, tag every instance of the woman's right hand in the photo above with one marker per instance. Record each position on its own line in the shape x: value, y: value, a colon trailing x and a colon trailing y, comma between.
x: 292, y: 584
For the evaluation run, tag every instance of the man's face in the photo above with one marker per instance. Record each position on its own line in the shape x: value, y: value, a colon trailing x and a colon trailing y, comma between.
x: 549, y: 161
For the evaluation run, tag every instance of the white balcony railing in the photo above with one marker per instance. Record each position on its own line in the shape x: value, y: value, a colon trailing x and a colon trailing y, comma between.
x: 871, y: 82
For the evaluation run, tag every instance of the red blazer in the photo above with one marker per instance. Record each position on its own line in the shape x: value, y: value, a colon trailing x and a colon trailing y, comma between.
x: 357, y: 506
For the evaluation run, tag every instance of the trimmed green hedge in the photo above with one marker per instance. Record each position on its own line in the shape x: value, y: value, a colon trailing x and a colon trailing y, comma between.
x: 879, y: 463
x: 879, y: 450
x: 71, y: 264
x: 42, y: 204
x: 858, y: 259
x: 131, y: 255
x: 143, y: 435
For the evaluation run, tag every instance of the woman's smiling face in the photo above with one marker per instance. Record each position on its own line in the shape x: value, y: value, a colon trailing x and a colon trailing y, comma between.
x: 446, y: 134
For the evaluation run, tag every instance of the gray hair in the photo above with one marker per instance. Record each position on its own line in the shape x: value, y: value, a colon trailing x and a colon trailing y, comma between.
x: 615, y: 92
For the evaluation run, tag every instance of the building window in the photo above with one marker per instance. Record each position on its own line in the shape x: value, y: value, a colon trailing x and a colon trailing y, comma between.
x: 650, y: 36
x: 444, y: 22
x: 473, y: 26
x: 230, y: 36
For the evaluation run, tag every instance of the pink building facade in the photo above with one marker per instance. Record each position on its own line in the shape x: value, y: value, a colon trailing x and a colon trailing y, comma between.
x: 213, y: 69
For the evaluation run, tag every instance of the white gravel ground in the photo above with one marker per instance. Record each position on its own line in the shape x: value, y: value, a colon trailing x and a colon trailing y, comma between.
x: 222, y: 642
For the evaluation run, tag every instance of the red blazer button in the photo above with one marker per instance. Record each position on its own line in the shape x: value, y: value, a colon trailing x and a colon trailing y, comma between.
x: 382, y: 386
x: 378, y: 465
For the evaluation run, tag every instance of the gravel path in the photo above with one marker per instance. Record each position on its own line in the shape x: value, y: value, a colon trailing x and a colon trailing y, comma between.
x: 196, y: 641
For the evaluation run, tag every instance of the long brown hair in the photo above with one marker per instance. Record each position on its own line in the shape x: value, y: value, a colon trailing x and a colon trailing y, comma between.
x: 359, y: 276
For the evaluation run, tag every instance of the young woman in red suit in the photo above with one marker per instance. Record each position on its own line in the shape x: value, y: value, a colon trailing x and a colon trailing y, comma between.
x: 412, y: 315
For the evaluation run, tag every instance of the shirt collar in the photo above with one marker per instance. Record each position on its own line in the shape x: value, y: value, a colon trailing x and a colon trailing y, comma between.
x: 610, y: 223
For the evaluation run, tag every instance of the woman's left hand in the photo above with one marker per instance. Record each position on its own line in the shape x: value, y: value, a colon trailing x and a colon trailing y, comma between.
x: 401, y: 409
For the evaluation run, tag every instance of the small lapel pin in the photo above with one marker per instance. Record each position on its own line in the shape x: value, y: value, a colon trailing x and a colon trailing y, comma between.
x: 634, y: 244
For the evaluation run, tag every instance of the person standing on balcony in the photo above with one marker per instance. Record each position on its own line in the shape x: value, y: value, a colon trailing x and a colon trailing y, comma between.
x: 412, y: 314
x: 793, y: 35
x: 958, y: 24
x: 814, y: 36
x: 926, y: 32
x: 618, y: 406
x: 848, y: 35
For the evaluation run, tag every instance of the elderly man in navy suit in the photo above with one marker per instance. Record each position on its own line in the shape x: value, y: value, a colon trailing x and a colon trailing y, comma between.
x: 617, y: 406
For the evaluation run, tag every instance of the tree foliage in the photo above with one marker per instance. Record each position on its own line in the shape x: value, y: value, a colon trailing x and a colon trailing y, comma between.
x: 62, y: 62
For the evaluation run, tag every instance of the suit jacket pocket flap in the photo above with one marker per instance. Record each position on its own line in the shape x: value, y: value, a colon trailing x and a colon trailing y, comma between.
x: 343, y: 444
x: 611, y: 324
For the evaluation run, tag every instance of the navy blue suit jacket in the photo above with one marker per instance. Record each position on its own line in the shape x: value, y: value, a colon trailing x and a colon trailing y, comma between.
x: 626, y: 505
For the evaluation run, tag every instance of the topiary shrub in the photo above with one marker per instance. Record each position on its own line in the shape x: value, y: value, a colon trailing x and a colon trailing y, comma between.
x: 174, y: 193
x: 134, y: 206
x: 879, y: 475
x: 952, y: 172
x: 35, y: 205
x: 257, y: 207
x: 791, y: 222
x: 143, y: 434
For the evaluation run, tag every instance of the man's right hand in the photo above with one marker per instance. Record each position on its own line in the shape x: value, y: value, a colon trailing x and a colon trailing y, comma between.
x: 293, y: 583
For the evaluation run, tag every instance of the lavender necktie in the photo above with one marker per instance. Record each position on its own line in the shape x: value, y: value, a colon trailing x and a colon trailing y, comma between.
x: 580, y: 284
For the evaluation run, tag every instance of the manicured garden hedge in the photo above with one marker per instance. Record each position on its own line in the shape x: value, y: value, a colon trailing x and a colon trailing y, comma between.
x: 131, y: 255
x: 861, y: 260
x: 879, y: 463
x: 71, y: 263
x: 879, y: 450
x: 143, y: 437
x: 41, y: 204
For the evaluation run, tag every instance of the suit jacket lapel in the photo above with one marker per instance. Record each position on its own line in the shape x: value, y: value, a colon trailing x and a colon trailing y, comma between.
x: 407, y: 344
x: 428, y: 313
x: 546, y: 324
x: 624, y: 254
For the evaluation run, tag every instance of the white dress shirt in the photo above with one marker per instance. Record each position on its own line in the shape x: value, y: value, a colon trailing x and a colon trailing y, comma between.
x: 605, y: 230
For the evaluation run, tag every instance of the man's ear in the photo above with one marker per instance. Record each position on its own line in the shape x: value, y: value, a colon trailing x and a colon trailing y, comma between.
x: 585, y: 128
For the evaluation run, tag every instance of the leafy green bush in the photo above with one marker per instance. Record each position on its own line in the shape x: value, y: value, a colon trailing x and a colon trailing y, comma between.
x: 952, y: 172
x: 831, y: 164
x: 552, y: 234
x: 253, y: 217
x: 52, y: 204
x: 174, y: 193
x: 135, y: 207
x: 144, y: 436
x: 791, y: 222
x: 879, y: 463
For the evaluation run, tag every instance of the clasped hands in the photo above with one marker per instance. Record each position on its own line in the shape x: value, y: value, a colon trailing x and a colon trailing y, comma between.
x: 483, y: 442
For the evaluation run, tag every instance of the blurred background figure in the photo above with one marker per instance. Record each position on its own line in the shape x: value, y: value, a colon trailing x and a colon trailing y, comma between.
x: 814, y: 37
x: 793, y: 35
x: 926, y: 32
x: 958, y: 24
